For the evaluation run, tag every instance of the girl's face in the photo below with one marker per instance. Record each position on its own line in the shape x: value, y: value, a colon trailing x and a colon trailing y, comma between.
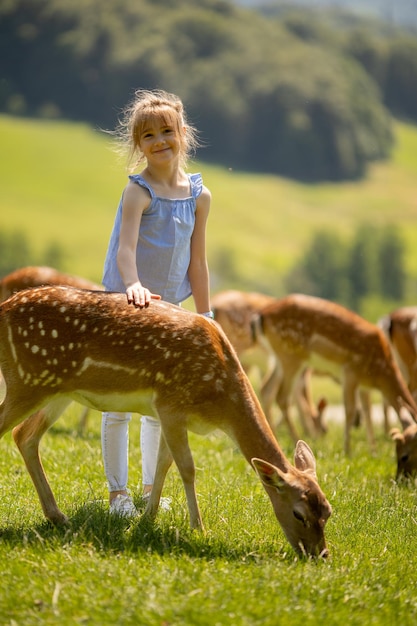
x: 160, y: 142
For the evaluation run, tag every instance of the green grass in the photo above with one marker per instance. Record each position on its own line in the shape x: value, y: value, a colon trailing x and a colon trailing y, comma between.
x: 102, y: 570
x: 62, y: 182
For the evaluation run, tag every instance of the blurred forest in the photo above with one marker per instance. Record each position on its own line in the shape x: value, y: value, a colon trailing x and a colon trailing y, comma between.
x: 293, y: 92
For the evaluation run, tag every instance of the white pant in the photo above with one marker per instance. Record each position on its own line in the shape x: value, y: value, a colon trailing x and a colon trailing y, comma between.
x: 115, y: 448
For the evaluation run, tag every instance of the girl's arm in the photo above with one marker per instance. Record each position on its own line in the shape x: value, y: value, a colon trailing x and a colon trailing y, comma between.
x: 135, y: 200
x: 198, y: 272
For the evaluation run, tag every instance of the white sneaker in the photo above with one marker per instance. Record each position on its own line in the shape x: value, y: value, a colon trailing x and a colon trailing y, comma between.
x: 164, y: 503
x: 123, y: 505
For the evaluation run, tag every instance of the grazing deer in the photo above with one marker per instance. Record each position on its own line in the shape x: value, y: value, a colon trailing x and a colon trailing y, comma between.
x: 59, y: 344
x: 234, y: 311
x: 37, y: 276
x: 400, y: 327
x: 406, y: 447
x: 307, y: 330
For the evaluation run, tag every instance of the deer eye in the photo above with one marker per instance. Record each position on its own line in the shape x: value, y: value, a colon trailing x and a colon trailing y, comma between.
x: 299, y: 517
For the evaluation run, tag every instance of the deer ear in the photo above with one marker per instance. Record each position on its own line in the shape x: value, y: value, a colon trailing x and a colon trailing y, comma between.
x: 396, y: 435
x: 269, y: 474
x: 405, y: 417
x: 304, y: 458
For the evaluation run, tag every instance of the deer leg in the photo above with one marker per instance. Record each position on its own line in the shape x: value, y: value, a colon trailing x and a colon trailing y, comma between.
x: 176, y: 438
x: 82, y: 425
x: 290, y: 373
x: 349, y: 399
x: 164, y: 462
x: 27, y: 436
x: 268, y: 391
x: 304, y: 401
x: 366, y: 405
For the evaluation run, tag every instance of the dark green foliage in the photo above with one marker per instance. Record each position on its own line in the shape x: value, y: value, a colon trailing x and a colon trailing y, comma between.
x: 322, y: 270
x: 285, y: 96
x: 362, y: 268
x: 371, y: 264
x: 16, y: 251
x: 391, y: 273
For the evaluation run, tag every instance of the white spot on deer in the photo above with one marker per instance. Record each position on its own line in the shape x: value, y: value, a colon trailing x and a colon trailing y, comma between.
x: 51, y: 381
x: 35, y: 349
x: 83, y: 327
x: 160, y: 378
x: 54, y: 333
x: 89, y: 362
x: 76, y: 322
x: 62, y: 309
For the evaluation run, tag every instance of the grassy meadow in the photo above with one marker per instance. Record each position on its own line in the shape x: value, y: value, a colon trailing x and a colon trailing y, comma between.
x: 61, y: 182
x: 241, y: 572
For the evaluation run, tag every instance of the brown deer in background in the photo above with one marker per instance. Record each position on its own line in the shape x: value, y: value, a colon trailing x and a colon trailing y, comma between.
x: 305, y: 330
x: 400, y: 327
x: 38, y: 276
x: 59, y: 344
x: 234, y: 311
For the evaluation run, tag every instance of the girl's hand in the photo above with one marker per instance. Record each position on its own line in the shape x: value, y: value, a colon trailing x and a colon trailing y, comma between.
x: 140, y: 296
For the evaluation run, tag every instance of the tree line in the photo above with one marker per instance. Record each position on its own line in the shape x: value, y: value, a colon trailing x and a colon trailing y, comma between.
x: 285, y: 93
x: 371, y: 264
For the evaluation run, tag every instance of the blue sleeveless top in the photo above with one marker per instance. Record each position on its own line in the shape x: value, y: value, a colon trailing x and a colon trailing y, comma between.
x: 163, y: 252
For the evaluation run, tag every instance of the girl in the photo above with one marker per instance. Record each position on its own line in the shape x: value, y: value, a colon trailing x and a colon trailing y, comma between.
x: 157, y: 249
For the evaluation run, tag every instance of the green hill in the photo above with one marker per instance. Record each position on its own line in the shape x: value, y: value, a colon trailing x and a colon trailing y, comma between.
x: 61, y: 182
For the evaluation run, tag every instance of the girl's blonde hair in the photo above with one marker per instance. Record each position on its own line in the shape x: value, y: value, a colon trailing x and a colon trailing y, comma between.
x: 146, y: 108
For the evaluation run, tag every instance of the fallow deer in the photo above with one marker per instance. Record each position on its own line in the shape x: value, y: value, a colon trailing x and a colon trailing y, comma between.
x: 234, y: 311
x: 38, y: 276
x: 406, y: 447
x: 400, y: 327
x: 308, y: 330
x: 59, y: 344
